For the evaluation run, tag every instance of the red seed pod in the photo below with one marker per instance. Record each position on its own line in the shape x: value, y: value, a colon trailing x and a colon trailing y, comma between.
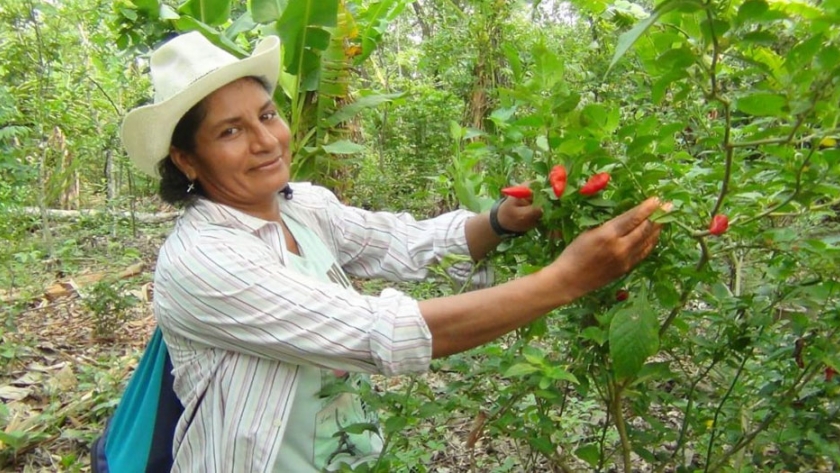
x: 719, y: 224
x: 829, y: 373
x: 518, y: 192
x: 595, y: 184
x: 621, y: 295
x: 557, y: 178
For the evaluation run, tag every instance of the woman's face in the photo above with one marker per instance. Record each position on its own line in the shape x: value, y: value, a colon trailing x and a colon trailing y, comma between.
x: 242, y: 154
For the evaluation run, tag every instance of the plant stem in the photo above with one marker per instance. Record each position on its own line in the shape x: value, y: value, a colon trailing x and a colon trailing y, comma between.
x: 684, y: 428
x: 806, y: 376
x: 720, y: 408
x: 689, y: 288
x: 615, y: 402
x: 796, y: 190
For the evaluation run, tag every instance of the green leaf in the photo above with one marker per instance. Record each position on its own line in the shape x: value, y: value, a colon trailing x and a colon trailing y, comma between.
x: 520, y: 369
x: 595, y: 334
x: 558, y: 373
x: 150, y: 7
x: 168, y: 13
x: 762, y: 104
x: 188, y: 23
x: 266, y: 11
x: 240, y: 25
x: 358, y: 428
x: 589, y: 453
x: 301, y: 30
x: 593, y: 115
x: 343, y: 147
x: 395, y: 423
x: 374, y: 22
x: 351, y: 110
x: 751, y: 9
x: 210, y: 12
x: 633, y: 336
x: 659, y: 88
x: 627, y: 39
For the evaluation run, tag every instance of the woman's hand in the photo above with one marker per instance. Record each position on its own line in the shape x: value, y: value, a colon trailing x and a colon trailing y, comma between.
x: 591, y: 261
x: 518, y: 215
x: 598, y: 256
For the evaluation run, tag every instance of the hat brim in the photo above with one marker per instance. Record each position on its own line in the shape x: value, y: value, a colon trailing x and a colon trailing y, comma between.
x: 147, y: 131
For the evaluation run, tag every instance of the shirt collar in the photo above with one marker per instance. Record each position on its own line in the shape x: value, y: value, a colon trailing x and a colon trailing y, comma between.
x: 205, y: 210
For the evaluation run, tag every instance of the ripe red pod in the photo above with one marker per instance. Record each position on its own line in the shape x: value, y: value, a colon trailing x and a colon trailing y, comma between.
x: 719, y: 224
x: 518, y: 192
x: 557, y: 178
x: 595, y: 184
x: 829, y: 373
x: 621, y: 295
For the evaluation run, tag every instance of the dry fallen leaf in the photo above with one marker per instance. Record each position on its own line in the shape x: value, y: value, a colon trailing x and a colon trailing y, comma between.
x: 14, y: 393
x: 63, y: 381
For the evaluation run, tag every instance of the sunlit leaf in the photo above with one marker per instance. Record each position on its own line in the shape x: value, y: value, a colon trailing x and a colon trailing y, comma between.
x: 266, y: 11
x: 762, y: 104
x: 627, y: 39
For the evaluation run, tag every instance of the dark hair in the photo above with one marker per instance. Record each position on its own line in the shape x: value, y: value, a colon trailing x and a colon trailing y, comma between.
x: 173, y: 182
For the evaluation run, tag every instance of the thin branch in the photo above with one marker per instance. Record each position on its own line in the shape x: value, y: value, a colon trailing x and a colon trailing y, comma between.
x: 108, y: 97
x: 720, y: 408
x: 689, y: 288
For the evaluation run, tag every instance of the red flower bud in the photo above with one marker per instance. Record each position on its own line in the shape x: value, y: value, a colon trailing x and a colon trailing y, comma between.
x: 621, y: 295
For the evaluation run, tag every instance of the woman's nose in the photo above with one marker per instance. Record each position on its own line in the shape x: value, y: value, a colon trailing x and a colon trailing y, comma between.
x: 263, y: 139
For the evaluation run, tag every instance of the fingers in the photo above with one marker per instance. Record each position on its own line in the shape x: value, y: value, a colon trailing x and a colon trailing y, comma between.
x: 629, y: 221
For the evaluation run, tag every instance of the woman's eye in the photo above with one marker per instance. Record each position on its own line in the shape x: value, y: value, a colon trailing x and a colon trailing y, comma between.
x: 228, y: 132
x: 269, y: 115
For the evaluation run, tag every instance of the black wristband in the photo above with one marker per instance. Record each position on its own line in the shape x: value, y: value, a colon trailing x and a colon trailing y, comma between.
x: 498, y: 229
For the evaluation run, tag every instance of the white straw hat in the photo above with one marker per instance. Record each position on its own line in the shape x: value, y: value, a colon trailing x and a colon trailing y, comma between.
x: 184, y: 71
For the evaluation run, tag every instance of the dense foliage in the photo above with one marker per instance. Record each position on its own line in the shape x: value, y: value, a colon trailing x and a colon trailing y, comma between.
x: 718, y: 353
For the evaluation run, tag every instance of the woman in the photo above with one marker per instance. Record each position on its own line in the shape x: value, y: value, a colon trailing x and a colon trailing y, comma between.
x: 264, y: 330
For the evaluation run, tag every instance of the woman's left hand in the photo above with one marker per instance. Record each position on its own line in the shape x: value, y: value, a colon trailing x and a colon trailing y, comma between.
x: 518, y: 215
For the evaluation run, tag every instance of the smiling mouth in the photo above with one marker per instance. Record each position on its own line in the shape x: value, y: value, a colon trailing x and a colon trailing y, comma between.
x: 267, y: 164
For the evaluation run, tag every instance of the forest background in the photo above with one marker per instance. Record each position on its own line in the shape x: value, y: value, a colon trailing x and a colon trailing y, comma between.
x: 717, y: 354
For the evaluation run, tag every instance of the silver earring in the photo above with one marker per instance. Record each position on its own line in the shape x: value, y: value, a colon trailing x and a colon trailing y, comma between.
x: 190, y: 187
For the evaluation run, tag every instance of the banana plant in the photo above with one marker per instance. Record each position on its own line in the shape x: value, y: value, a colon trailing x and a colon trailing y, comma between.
x: 322, y: 40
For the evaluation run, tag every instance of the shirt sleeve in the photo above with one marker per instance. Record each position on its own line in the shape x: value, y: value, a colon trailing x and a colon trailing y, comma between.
x: 230, y: 291
x: 397, y: 247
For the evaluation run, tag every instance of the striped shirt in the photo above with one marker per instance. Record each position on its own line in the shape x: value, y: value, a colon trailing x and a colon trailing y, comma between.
x: 239, y: 322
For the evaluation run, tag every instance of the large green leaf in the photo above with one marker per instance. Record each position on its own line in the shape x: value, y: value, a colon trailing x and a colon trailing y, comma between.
x: 266, y: 11
x: 627, y: 39
x: 634, y: 336
x: 210, y: 12
x: 373, y: 22
x: 343, y: 147
x: 188, y: 23
x: 301, y: 28
x: 349, y: 111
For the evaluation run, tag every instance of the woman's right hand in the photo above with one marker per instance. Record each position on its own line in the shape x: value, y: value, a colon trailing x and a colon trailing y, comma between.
x: 599, y: 256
